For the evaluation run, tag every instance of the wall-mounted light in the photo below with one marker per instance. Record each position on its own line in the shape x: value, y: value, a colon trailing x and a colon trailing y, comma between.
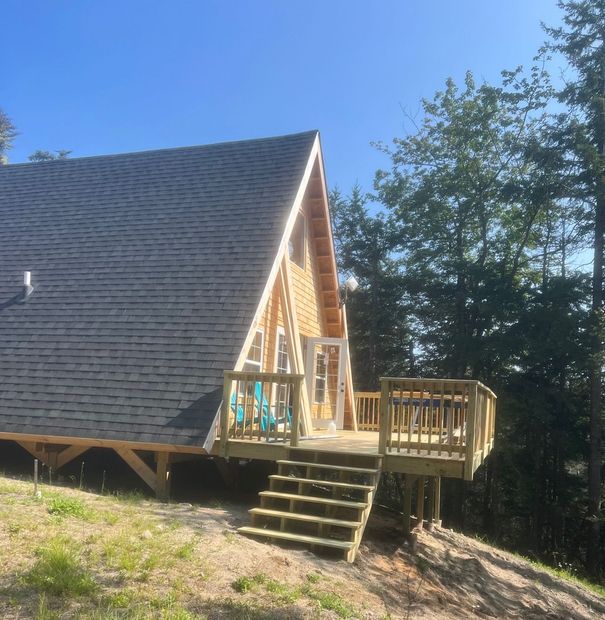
x: 350, y: 286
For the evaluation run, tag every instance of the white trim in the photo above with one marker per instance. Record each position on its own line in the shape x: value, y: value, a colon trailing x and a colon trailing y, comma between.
x: 304, y: 241
x: 261, y: 331
x: 340, y: 389
x: 281, y: 331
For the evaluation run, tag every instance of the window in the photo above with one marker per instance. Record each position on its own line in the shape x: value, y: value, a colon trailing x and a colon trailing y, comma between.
x: 254, y: 359
x: 282, y: 360
x: 321, y: 377
x: 296, y: 246
x: 282, y: 365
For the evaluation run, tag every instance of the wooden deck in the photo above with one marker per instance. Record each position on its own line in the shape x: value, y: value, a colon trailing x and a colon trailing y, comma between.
x: 432, y: 427
x: 354, y: 443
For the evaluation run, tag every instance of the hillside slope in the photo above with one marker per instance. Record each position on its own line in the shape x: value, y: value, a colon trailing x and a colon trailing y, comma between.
x: 71, y: 554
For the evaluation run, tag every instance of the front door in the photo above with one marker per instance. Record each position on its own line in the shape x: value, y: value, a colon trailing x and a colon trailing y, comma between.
x: 325, y: 378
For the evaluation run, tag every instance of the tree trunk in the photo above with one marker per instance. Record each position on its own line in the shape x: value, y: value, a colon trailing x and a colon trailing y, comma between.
x: 594, y: 456
x: 596, y: 362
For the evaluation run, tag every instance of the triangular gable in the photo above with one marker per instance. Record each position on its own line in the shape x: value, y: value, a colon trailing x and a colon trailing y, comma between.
x: 286, y: 281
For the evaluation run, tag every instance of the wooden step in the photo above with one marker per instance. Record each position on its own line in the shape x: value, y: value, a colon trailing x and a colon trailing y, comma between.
x: 327, y: 483
x: 359, y: 470
x: 301, y: 538
x: 315, y: 500
x: 297, y: 516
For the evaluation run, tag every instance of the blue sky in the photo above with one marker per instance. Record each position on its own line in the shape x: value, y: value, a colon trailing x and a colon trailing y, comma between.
x: 105, y: 76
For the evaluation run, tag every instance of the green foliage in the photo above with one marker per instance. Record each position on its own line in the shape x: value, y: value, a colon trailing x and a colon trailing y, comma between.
x: 469, y: 257
x: 59, y: 571
x: 38, y: 156
x: 7, y: 133
x: 68, y: 507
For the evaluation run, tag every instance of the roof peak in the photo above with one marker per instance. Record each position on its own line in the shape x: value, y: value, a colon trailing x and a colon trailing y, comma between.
x: 192, y: 147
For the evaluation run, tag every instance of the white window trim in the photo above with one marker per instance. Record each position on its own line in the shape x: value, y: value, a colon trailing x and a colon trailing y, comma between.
x: 280, y: 332
x: 304, y: 241
x: 260, y: 331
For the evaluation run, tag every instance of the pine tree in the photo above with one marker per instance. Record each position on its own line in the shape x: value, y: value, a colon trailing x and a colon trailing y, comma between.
x: 582, y: 43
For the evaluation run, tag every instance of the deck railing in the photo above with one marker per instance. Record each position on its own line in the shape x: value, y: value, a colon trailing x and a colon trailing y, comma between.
x: 260, y: 406
x: 367, y: 407
x: 433, y: 417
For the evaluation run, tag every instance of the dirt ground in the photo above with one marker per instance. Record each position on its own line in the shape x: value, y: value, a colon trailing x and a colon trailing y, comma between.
x: 181, y: 561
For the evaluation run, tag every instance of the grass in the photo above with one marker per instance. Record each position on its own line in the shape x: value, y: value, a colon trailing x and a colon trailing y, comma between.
x: 59, y: 570
x: 61, y: 506
x: 565, y: 574
x: 283, y: 593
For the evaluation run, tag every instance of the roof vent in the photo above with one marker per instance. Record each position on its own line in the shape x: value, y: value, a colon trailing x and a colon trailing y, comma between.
x: 28, y: 289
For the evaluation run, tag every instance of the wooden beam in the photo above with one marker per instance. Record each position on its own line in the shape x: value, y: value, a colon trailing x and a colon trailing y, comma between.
x: 407, y: 504
x: 100, y: 443
x: 162, y: 476
x: 293, y: 340
x: 31, y: 447
x: 420, y: 502
x: 139, y: 466
x: 69, y: 454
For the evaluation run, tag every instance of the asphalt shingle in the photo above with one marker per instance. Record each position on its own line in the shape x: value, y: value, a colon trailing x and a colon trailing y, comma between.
x: 147, y: 268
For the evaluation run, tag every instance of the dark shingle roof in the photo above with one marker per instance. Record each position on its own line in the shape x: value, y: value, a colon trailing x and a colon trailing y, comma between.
x: 148, y: 268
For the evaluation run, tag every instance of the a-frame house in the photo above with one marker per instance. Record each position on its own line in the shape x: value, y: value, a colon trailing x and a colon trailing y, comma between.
x: 186, y: 302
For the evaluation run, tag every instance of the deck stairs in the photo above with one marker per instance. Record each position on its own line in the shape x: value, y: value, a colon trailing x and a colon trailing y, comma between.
x: 318, y: 499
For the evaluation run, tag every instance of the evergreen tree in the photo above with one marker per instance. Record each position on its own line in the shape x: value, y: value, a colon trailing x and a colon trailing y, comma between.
x: 377, y: 312
x: 581, y: 41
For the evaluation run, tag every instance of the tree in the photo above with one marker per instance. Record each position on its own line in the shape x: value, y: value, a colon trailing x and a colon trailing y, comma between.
x: 39, y: 155
x: 7, y: 133
x: 470, y: 217
x: 377, y: 312
x: 581, y: 41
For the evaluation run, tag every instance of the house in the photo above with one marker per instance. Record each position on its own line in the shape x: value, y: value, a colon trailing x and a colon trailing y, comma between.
x: 186, y: 302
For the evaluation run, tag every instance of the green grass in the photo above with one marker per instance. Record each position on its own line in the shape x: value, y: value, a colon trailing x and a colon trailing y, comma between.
x: 330, y: 601
x: 60, y: 506
x: 560, y: 573
x: 567, y: 575
x: 58, y: 570
x: 285, y: 594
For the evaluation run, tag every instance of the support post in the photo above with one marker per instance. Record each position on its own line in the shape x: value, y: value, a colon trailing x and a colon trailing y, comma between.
x: 385, y: 421
x: 420, y: 502
x: 225, y: 406
x: 162, y: 488
x: 296, y: 405
x: 407, y: 504
x: 437, y: 501
x: 470, y: 431
x: 430, y: 513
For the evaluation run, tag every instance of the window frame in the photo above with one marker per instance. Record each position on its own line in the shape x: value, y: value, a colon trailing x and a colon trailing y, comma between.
x: 258, y: 365
x: 303, y: 241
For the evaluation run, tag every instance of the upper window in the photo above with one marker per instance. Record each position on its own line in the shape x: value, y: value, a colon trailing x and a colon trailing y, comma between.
x: 296, y: 246
x: 254, y: 360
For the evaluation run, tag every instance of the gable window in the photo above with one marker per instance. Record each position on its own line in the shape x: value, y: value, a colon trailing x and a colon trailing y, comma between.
x: 254, y: 359
x: 297, y: 243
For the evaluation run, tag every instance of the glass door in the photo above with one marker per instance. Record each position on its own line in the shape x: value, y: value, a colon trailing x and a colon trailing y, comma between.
x: 325, y: 378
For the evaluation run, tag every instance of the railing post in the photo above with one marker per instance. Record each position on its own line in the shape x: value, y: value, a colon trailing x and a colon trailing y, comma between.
x: 225, y: 406
x: 385, y: 419
x: 470, y: 431
x: 296, y: 402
